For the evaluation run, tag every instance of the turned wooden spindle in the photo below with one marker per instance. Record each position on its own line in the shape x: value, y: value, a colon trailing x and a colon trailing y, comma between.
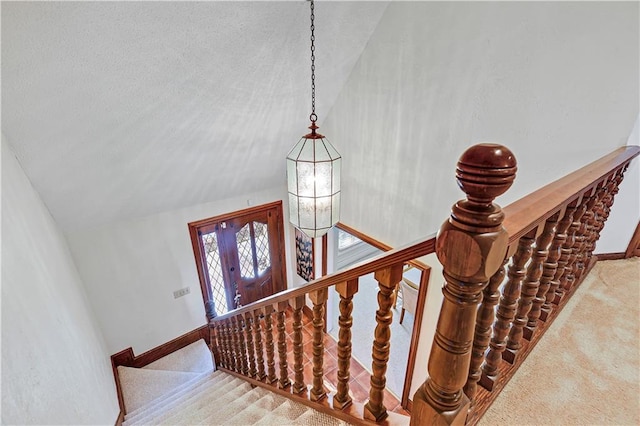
x: 555, y: 261
x: 346, y: 290
x: 284, y: 381
x: 388, y: 279
x: 259, y: 346
x: 216, y: 343
x: 568, y: 278
x: 528, y: 290
x: 530, y: 286
x: 248, y: 320
x: 270, y: 346
x: 244, y: 364
x: 565, y: 252
x: 318, y: 298
x: 471, y: 246
x: 236, y: 352
x: 580, y: 246
x: 593, y: 221
x: 219, y: 341
x: 608, y: 199
x: 228, y: 344
x: 482, y: 337
x: 506, y: 311
x: 298, y: 360
x: 548, y: 270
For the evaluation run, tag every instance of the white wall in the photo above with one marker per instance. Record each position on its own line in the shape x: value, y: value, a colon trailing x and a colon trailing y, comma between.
x: 131, y: 269
x: 557, y: 82
x: 55, y: 367
x: 625, y: 214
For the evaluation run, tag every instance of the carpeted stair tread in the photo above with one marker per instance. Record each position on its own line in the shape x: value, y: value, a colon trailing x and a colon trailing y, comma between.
x: 285, y: 413
x: 139, y: 386
x: 210, y: 392
x: 195, y: 358
x: 259, y: 409
x: 163, y: 403
x: 217, y: 406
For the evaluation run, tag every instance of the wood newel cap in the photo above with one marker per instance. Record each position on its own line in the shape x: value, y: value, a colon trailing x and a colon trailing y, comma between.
x: 486, y: 171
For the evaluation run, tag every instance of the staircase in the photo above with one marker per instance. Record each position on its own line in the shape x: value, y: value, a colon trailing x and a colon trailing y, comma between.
x: 184, y: 389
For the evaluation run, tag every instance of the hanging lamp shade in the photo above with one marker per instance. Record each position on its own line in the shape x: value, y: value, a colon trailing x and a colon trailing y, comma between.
x: 313, y: 178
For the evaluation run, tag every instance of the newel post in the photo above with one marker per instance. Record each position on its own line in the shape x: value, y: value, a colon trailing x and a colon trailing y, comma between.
x: 471, y: 245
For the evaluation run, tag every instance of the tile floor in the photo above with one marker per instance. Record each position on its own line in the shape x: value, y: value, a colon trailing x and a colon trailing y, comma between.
x: 359, y: 384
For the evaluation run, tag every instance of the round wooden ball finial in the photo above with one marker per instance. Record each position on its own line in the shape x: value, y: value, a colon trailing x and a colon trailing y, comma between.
x: 486, y: 171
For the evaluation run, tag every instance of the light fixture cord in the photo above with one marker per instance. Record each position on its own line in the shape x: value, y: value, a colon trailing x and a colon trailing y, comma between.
x: 313, y: 117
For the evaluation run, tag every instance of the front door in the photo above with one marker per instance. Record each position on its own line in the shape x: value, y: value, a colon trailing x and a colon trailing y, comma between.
x: 240, y: 256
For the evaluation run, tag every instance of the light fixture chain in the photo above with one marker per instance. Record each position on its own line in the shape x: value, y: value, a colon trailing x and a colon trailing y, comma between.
x: 313, y: 115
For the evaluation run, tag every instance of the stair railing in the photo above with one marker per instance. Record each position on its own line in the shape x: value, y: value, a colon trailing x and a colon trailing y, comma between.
x: 526, y: 259
x: 254, y: 341
x: 547, y: 239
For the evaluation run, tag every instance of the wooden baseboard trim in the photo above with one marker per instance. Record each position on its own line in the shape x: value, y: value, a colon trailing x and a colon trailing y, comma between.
x: 127, y: 358
x: 610, y: 256
x: 120, y: 418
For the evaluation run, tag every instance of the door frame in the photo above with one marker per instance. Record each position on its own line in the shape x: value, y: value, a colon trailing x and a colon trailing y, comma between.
x: 278, y: 260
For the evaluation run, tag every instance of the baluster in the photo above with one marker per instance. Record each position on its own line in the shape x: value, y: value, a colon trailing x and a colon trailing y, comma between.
x: 471, y: 246
x: 318, y: 298
x: 580, y: 247
x: 506, y: 311
x: 584, y: 234
x: 612, y: 190
x: 529, y: 291
x: 216, y: 342
x: 225, y: 344
x: 284, y: 381
x: 248, y: 319
x: 568, y: 278
x: 244, y: 365
x: 236, y: 353
x: 346, y: 290
x: 565, y: 253
x: 268, y: 328
x: 388, y: 279
x: 259, y: 346
x: 484, y: 321
x: 555, y: 261
x: 594, y: 223
x: 230, y: 344
x: 548, y: 270
x: 298, y: 362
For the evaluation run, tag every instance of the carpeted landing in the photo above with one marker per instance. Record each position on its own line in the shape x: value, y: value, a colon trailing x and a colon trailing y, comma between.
x: 586, y: 368
x: 184, y: 389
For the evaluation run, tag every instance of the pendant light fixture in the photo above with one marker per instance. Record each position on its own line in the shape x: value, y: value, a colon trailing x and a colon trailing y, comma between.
x: 313, y: 172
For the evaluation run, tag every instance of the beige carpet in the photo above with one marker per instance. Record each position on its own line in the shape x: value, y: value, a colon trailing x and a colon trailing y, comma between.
x: 586, y: 368
x: 183, y: 389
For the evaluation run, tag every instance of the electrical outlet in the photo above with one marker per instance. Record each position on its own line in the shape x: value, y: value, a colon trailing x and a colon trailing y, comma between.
x: 181, y: 292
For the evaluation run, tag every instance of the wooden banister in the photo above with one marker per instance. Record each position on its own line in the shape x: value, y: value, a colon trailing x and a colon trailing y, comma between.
x: 393, y: 257
x: 526, y: 213
x: 476, y: 347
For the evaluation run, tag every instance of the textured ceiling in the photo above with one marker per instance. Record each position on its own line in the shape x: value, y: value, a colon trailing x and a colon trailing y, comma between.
x: 120, y: 110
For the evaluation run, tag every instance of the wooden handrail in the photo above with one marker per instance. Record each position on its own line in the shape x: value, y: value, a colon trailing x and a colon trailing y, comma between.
x: 523, y: 215
x: 385, y: 260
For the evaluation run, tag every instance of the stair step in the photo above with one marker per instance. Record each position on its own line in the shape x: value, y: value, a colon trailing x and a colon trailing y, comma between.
x: 202, y: 404
x: 139, y: 386
x: 170, y: 399
x: 215, y: 405
x: 259, y: 409
x: 187, y: 397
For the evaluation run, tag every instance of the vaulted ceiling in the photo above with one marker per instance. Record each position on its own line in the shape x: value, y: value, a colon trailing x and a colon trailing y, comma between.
x: 119, y: 110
